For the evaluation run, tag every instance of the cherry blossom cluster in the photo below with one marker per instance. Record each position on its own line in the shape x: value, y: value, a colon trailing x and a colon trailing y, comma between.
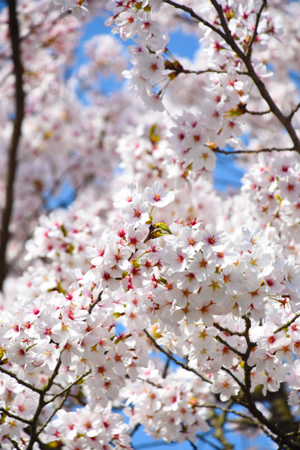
x: 186, y: 283
x: 150, y: 259
x: 132, y: 20
x: 272, y: 190
x: 55, y: 118
x: 170, y: 407
x: 86, y: 429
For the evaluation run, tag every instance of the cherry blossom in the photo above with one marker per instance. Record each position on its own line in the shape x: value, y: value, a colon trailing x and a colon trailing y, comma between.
x: 153, y: 295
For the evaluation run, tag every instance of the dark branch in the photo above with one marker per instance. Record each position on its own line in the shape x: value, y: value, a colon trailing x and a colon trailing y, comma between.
x: 53, y: 414
x: 134, y: 429
x: 185, y: 366
x: 246, y: 59
x: 15, y: 138
x: 192, y: 13
x: 226, y: 330
x: 23, y: 383
x: 257, y: 113
x: 67, y: 389
x: 13, y: 416
x: 293, y: 112
x: 92, y: 305
x: 245, y: 152
x: 287, y: 324
x: 258, y: 16
x: 285, y: 121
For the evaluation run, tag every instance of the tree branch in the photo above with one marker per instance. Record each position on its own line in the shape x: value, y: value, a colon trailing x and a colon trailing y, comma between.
x: 246, y: 59
x: 234, y: 350
x: 258, y: 16
x: 92, y: 305
x: 285, y: 121
x: 184, y: 366
x: 134, y: 429
x: 245, y: 152
x: 257, y: 113
x: 23, y: 383
x: 226, y: 330
x: 192, y: 13
x: 293, y: 112
x: 15, y: 138
x: 287, y: 324
x: 53, y: 414
x: 14, y: 443
x: 14, y: 416
x: 66, y: 390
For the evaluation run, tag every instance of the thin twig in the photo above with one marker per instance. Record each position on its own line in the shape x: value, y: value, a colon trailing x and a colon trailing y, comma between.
x: 257, y: 113
x: 165, y: 371
x: 66, y: 390
x: 245, y: 152
x: 234, y: 377
x: 293, y: 112
x: 92, y: 305
x: 192, y: 13
x: 134, y: 429
x: 23, y: 383
x: 14, y: 443
x: 14, y: 416
x: 184, y: 366
x: 258, y: 16
x: 287, y: 324
x: 234, y: 350
x: 226, y: 330
x: 52, y: 415
x: 192, y: 445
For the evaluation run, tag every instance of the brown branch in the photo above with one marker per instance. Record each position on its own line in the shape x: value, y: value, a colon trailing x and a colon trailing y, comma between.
x: 234, y: 350
x: 53, y: 414
x: 192, y: 13
x: 14, y: 416
x: 258, y: 16
x: 34, y: 421
x: 285, y: 121
x: 67, y: 389
x: 229, y: 410
x: 226, y: 330
x: 23, y: 383
x: 293, y: 112
x: 14, y: 443
x: 253, y: 421
x: 165, y: 371
x: 242, y: 386
x: 280, y: 438
x: 257, y: 113
x: 287, y: 324
x: 134, y: 429
x: 92, y: 305
x: 184, y: 366
x: 245, y: 152
x: 246, y: 59
x: 194, y: 447
x: 15, y: 138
